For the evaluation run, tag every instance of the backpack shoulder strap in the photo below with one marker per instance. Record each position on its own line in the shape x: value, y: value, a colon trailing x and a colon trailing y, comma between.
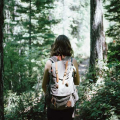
x: 53, y: 59
x: 65, y: 72
x: 56, y: 71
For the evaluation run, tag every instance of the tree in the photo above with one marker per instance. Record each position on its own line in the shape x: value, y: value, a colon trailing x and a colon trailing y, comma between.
x: 112, y: 14
x: 27, y: 38
x: 1, y: 60
x: 97, y: 45
x: 30, y: 72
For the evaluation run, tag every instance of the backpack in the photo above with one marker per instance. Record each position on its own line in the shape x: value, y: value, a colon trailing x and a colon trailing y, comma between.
x: 61, y: 92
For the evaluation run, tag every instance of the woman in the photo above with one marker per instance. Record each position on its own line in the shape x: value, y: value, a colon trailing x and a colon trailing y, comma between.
x: 61, y: 49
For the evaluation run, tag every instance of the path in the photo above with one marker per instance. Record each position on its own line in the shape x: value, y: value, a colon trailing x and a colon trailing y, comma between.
x: 83, y: 67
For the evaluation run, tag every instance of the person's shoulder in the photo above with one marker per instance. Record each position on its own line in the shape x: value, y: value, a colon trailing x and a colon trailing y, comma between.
x: 48, y: 64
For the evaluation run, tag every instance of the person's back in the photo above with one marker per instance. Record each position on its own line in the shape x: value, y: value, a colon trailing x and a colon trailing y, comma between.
x: 59, y: 74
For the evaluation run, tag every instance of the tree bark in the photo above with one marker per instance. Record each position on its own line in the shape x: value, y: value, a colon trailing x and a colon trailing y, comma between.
x: 30, y: 72
x: 1, y: 60
x: 97, y: 37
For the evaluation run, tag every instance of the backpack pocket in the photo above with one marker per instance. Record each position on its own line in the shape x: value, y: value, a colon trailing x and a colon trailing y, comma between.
x: 59, y: 102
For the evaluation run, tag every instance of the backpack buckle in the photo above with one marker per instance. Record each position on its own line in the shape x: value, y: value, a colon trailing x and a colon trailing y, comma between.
x: 56, y: 71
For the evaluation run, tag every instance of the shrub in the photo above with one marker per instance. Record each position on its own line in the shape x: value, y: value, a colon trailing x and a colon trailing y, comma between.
x: 105, y: 98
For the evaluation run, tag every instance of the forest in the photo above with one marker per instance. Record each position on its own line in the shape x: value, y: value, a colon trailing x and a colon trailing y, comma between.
x: 28, y: 28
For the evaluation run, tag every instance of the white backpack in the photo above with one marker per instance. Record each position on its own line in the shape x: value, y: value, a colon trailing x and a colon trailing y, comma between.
x: 61, y: 91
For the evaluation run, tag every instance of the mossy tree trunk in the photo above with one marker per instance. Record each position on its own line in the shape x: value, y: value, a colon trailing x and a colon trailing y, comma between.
x: 30, y: 11
x: 1, y: 60
x: 97, y: 37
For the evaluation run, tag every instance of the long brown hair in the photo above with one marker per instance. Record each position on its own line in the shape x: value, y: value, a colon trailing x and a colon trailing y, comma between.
x: 62, y: 46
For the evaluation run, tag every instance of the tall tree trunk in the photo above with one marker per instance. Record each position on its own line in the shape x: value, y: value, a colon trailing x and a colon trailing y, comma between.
x: 96, y: 35
x: 30, y: 41
x: 1, y: 60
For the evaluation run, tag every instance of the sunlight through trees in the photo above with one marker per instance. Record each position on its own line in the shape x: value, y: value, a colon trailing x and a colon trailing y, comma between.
x: 27, y: 32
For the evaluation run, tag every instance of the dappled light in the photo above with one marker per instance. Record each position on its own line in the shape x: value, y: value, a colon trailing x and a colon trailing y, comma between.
x: 28, y: 30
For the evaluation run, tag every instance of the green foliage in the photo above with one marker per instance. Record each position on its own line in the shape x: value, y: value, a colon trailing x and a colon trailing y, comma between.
x: 103, y: 96
x: 101, y: 99
x: 28, y: 105
x: 27, y: 43
x: 113, y: 52
x: 104, y: 104
x: 112, y: 14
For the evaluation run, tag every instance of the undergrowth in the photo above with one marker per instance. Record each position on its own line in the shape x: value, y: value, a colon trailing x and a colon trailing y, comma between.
x: 101, y: 100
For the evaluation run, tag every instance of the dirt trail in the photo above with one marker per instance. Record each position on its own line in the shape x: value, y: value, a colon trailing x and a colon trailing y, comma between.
x: 83, y: 67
